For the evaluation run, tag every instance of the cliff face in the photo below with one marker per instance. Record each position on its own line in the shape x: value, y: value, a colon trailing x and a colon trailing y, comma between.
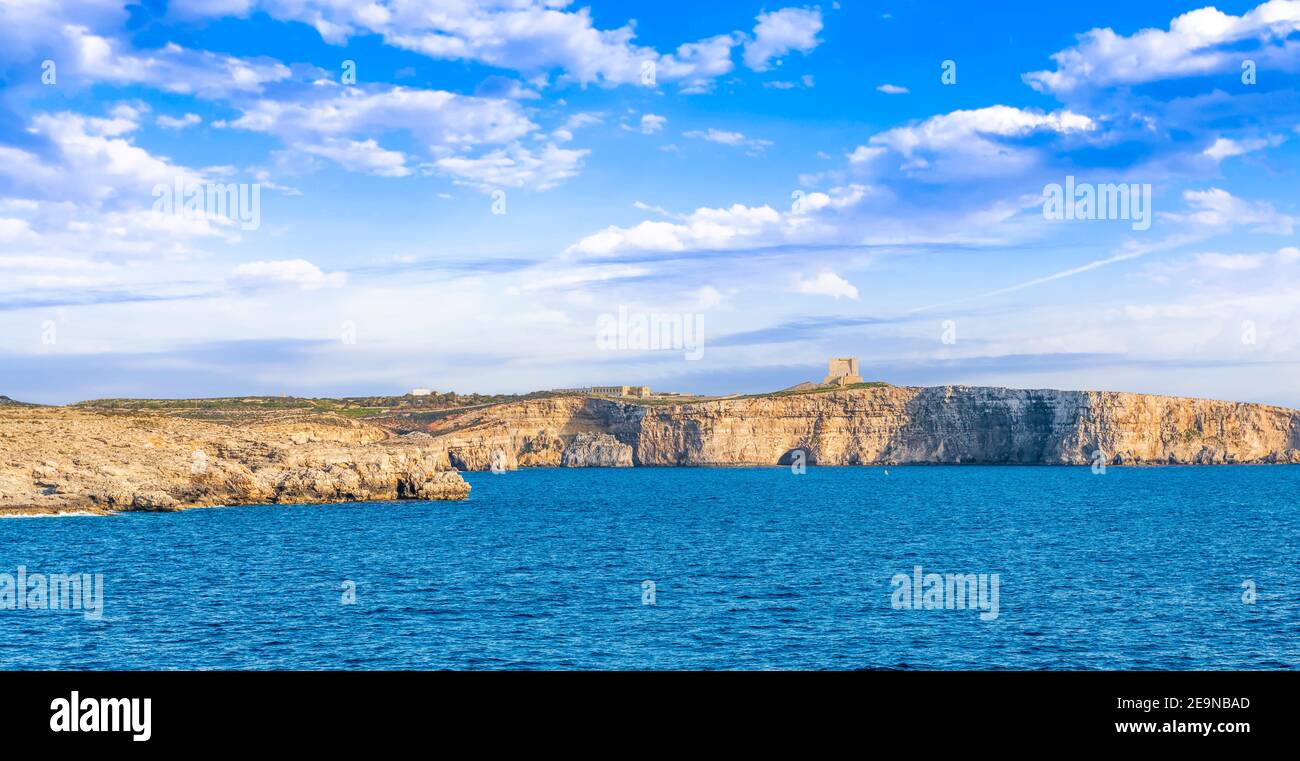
x: 596, y: 450
x: 59, y: 460
x: 562, y: 431
x: 884, y: 425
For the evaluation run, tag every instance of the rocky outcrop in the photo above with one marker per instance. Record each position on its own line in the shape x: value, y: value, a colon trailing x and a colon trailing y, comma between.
x: 60, y: 459
x: 536, y: 433
x: 70, y: 459
x: 882, y: 425
x: 596, y: 450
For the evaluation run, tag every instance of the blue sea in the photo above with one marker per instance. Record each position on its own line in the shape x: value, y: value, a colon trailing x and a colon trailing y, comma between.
x: 748, y: 568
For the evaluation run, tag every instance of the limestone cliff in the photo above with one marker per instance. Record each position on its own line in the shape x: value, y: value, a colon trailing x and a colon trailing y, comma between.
x: 881, y: 425
x: 596, y: 450
x: 60, y: 460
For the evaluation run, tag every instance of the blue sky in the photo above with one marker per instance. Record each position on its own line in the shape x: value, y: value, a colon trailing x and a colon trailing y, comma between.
x: 803, y: 181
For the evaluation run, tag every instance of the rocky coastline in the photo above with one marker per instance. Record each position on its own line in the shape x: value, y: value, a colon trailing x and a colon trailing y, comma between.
x: 87, y: 460
x: 62, y: 460
x: 878, y: 425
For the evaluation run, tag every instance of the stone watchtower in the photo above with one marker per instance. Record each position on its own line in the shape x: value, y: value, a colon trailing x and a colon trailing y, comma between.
x: 842, y: 371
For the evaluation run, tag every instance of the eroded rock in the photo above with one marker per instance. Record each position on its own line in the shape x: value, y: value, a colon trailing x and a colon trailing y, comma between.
x: 596, y: 450
x: 884, y: 425
x: 61, y: 459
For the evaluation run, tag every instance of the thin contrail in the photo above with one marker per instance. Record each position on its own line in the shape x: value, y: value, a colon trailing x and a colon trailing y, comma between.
x: 1133, y: 253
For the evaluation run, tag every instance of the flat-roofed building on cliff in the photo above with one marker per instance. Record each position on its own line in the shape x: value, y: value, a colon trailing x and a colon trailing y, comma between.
x: 842, y: 371
x: 641, y: 391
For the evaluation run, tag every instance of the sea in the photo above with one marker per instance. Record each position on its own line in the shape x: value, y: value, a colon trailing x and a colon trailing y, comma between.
x: 907, y: 567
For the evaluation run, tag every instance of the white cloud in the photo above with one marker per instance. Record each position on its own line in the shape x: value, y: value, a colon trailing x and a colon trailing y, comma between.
x: 827, y: 283
x: 971, y: 142
x: 737, y: 226
x: 1223, y: 147
x: 862, y: 154
x: 64, y: 32
x: 583, y: 119
x: 172, y: 122
x: 571, y: 277
x: 889, y: 89
x: 285, y: 272
x: 575, y: 122
x: 438, y: 118
x: 1235, y: 262
x: 365, y: 156
x: 724, y: 137
x: 14, y: 231
x: 91, y: 160
x: 703, y: 229
x: 643, y: 206
x: 652, y: 123
x: 81, y: 215
x: 1216, y: 209
x: 171, y: 68
x: 955, y: 130
x: 780, y: 32
x: 515, y: 167
x: 337, y: 123
x: 529, y: 36
x: 696, y: 64
x: 805, y: 81
x: 707, y: 297
x: 1197, y: 42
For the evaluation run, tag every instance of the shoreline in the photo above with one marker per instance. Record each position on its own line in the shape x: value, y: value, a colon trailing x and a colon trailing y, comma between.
x: 85, y: 511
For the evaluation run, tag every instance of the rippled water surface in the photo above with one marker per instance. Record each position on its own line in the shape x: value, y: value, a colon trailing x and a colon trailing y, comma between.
x: 752, y: 568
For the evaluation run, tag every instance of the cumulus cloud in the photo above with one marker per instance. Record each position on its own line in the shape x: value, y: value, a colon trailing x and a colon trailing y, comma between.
x: 78, y: 210
x: 437, y: 118
x: 364, y: 156
x: 695, y: 65
x: 827, y: 283
x: 91, y: 159
x: 173, y: 122
x: 707, y: 297
x: 298, y: 273
x: 71, y: 34
x: 575, y: 122
x: 1198, y: 42
x: 652, y: 123
x: 971, y: 142
x: 84, y: 56
x: 515, y: 167
x: 953, y: 130
x: 864, y: 154
x: 1223, y: 147
x: 737, y: 226
x: 780, y: 32
x: 1215, y: 210
x: 335, y: 123
x: 530, y: 36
